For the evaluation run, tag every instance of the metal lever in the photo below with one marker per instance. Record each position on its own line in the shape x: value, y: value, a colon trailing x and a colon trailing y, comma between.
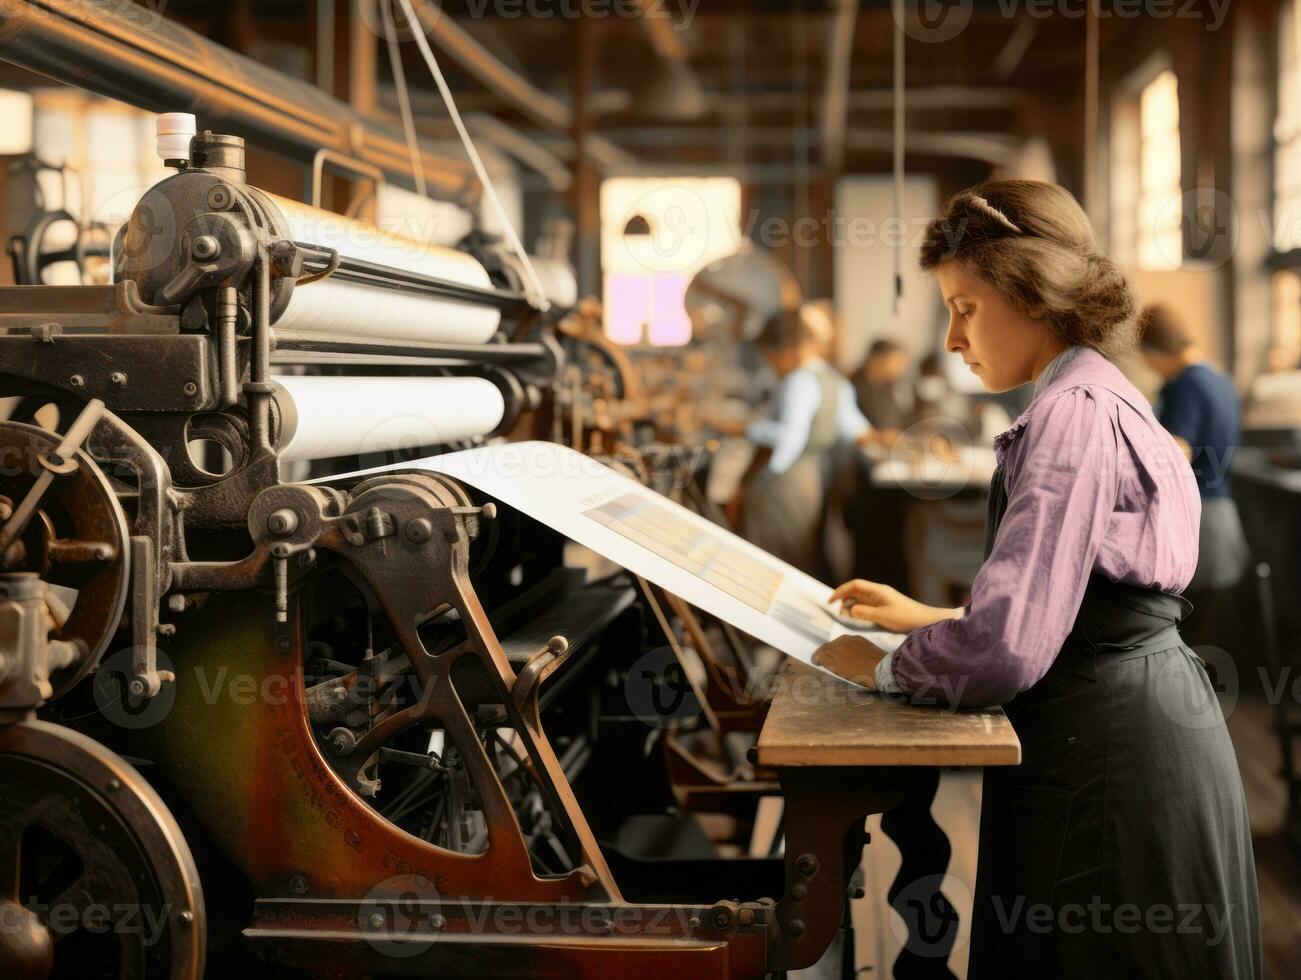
x: 58, y: 463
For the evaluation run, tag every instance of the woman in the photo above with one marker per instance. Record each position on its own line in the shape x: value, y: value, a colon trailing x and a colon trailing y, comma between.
x: 1121, y: 842
x: 813, y: 411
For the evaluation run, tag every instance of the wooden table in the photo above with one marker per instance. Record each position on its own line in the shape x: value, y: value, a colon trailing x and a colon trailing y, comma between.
x: 842, y: 753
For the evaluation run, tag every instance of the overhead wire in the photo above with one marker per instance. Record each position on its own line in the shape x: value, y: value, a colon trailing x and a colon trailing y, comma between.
x: 533, y: 285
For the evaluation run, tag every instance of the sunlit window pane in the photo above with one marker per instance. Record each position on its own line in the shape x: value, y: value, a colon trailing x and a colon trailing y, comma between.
x: 1160, y: 238
x: 656, y: 233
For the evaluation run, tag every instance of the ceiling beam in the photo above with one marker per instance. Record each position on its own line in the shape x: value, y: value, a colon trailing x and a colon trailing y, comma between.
x: 508, y: 85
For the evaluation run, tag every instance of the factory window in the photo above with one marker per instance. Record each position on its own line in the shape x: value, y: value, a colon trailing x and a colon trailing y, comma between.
x: 656, y: 233
x: 1287, y: 132
x: 1160, y: 234
x: 1284, y: 352
x: 92, y: 157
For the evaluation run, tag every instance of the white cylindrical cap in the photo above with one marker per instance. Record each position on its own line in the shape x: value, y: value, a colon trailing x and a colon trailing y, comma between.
x: 174, y: 131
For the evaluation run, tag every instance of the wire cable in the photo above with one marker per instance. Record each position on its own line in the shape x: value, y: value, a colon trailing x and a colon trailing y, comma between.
x: 404, y: 97
x: 533, y: 284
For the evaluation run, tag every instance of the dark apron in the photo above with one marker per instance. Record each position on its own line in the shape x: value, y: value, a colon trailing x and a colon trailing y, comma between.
x: 1120, y: 847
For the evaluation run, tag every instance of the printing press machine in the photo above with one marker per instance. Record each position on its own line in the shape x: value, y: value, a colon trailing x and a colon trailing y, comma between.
x: 348, y: 725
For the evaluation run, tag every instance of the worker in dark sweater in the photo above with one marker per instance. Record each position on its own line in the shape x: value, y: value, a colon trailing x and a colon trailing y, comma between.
x: 1199, y: 406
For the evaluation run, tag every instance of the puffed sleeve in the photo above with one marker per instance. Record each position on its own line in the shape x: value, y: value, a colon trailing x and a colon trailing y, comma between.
x: 1062, y: 488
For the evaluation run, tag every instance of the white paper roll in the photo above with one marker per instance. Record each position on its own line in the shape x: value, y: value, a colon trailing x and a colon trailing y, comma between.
x: 335, y: 306
x: 323, y: 417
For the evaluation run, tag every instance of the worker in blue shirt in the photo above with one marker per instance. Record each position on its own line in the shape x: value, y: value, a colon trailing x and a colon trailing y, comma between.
x: 1199, y: 406
x: 814, y: 410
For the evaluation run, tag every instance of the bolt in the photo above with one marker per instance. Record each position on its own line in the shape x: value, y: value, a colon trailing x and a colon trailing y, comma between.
x: 118, y: 378
x: 796, y: 927
x: 489, y: 510
x: 205, y: 247
x: 557, y: 645
x: 77, y: 381
x: 282, y: 644
x: 721, y: 918
x: 190, y: 388
x: 419, y: 530
x: 693, y: 923
x: 137, y: 687
x: 283, y: 521
x: 799, y: 891
x: 166, y: 629
x: 342, y: 741
x: 186, y: 918
x: 437, y: 921
x: 114, y: 785
x: 807, y: 865
x: 377, y: 920
x: 219, y: 197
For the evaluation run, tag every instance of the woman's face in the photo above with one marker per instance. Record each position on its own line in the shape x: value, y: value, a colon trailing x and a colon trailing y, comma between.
x: 1003, y: 346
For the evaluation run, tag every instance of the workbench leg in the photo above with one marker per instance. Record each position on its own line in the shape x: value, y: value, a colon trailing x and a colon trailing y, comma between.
x: 930, y: 918
x: 826, y: 809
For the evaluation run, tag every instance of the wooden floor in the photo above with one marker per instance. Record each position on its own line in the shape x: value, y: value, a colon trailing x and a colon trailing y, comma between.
x: 957, y: 809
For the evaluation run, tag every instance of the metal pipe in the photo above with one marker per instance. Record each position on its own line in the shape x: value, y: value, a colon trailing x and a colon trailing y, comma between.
x: 128, y: 52
x: 835, y: 98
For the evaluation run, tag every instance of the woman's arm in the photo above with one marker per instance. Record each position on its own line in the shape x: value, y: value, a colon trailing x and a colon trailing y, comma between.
x: 1028, y: 592
x: 887, y: 607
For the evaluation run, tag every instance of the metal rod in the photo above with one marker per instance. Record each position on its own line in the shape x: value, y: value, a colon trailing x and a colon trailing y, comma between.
x: 227, y: 357
x: 346, y: 344
x: 77, y: 433
x: 259, y: 390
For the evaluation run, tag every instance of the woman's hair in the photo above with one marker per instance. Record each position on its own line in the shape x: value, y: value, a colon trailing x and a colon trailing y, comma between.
x: 1032, y: 242
x: 1160, y: 331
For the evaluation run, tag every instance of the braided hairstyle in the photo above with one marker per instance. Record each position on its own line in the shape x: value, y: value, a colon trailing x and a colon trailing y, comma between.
x: 1032, y: 242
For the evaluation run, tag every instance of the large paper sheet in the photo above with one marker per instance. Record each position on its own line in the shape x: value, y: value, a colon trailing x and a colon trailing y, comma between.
x: 653, y: 537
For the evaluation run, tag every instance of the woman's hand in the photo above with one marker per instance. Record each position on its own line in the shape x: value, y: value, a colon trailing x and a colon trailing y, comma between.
x: 887, y: 607
x: 851, y: 657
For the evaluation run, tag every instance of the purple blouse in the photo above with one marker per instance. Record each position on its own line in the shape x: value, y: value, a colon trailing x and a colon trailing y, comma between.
x: 1094, y: 485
